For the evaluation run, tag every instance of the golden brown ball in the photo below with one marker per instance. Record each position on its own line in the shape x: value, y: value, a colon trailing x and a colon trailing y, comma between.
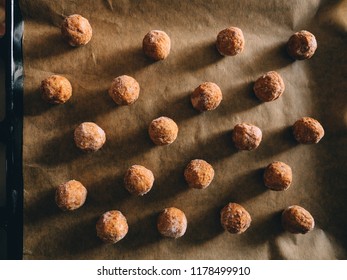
x: 308, y: 131
x: 172, y: 222
x: 230, y: 41
x: 235, y: 218
x: 302, y: 45
x: 76, y: 30
x: 296, y: 219
x: 138, y: 180
x: 163, y: 131
x: 269, y: 87
x: 278, y: 176
x: 124, y: 90
x: 156, y: 44
x: 56, y: 89
x: 199, y: 174
x: 112, y: 226
x: 206, y: 97
x: 89, y: 137
x: 70, y: 195
x: 246, y: 136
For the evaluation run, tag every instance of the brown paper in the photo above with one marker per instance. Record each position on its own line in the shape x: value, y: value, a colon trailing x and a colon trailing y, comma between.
x: 314, y: 88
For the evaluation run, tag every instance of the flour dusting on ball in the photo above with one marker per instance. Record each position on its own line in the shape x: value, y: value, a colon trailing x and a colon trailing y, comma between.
x: 70, y: 195
x: 89, y: 137
x: 156, y: 45
x: 124, y: 90
x: 230, y: 41
x: 163, y: 131
x: 206, y: 97
x: 56, y: 89
x: 112, y: 226
x: 199, y: 174
x: 269, y: 86
x: 138, y: 180
x: 246, y: 136
x: 76, y: 30
x: 172, y: 222
x: 235, y: 219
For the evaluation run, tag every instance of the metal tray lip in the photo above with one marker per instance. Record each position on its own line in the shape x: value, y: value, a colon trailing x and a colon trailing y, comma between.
x: 11, y: 128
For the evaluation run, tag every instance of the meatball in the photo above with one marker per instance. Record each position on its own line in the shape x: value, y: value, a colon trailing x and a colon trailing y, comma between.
x: 172, y: 222
x: 235, y: 219
x: 163, y: 131
x: 56, y: 89
x: 199, y: 174
x: 76, y: 30
x: 230, y: 41
x: 138, y: 180
x: 206, y: 97
x: 112, y: 226
x: 156, y: 45
x: 296, y: 219
x: 269, y: 87
x: 246, y: 136
x: 70, y: 195
x: 308, y: 131
x: 89, y: 137
x: 302, y: 45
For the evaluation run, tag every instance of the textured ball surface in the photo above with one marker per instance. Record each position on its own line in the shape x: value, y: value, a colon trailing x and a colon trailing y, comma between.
x: 163, y: 131
x: 206, y: 97
x: 235, y: 219
x: 308, y: 131
x: 246, y: 136
x: 70, y: 195
x: 112, y: 226
x: 156, y: 45
x: 269, y: 87
x: 172, y: 222
x: 302, y: 45
x: 89, y: 137
x: 296, y: 219
x: 230, y: 41
x: 138, y: 180
x: 56, y: 89
x: 124, y: 90
x: 199, y: 174
x: 76, y: 30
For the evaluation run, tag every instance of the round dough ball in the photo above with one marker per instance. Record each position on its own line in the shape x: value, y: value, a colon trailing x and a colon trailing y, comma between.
x: 199, y: 174
x: 138, y: 180
x: 308, y: 131
x: 163, y: 131
x: 246, y: 136
x: 70, y: 195
x: 278, y: 176
x: 235, y: 218
x: 172, y: 222
x: 112, y: 226
x: 124, y: 90
x: 206, y: 97
x: 296, y: 219
x: 230, y: 41
x: 156, y: 44
x: 302, y: 45
x: 76, y: 30
x: 89, y: 137
x: 56, y: 89
x: 269, y: 87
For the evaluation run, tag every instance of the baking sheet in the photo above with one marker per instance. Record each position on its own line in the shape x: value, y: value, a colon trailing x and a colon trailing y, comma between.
x: 314, y: 88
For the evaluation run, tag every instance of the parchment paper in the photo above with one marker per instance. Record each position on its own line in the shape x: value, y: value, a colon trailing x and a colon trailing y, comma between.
x: 315, y: 88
